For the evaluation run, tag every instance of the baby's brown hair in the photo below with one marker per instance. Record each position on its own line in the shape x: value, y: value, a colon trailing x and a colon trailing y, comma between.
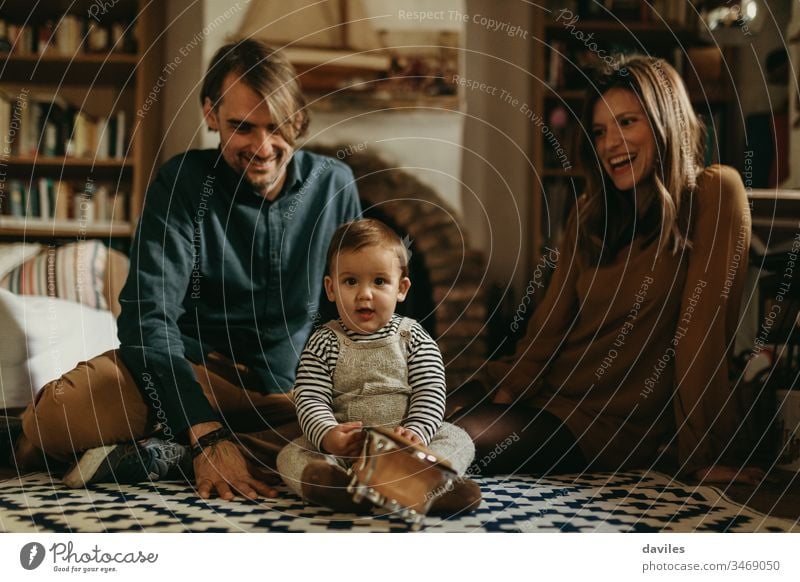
x: 366, y: 232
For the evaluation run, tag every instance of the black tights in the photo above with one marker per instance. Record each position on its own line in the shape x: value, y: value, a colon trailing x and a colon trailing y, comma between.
x: 518, y: 439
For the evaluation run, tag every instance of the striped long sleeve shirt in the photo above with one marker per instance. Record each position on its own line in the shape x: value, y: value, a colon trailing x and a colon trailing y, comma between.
x: 313, y: 390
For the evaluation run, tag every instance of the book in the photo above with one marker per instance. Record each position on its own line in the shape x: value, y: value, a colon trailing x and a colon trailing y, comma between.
x: 45, y: 35
x: 16, y: 198
x: 44, y: 198
x: 25, y: 141
x: 63, y: 199
x: 83, y: 207
x: 101, y: 204
x: 5, y: 125
x: 103, y: 146
x: 31, y: 201
x: 5, y: 44
x: 120, y: 151
x: 119, y: 207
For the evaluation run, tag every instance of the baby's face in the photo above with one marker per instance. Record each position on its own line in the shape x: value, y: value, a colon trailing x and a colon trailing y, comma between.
x: 366, y: 285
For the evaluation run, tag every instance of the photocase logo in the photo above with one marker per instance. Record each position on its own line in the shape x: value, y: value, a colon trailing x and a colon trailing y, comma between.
x: 31, y: 555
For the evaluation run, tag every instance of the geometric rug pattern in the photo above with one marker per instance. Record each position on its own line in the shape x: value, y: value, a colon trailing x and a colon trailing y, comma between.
x: 635, y: 501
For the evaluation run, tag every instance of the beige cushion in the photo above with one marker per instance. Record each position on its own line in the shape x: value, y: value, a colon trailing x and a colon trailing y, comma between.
x: 73, y: 271
x: 86, y: 272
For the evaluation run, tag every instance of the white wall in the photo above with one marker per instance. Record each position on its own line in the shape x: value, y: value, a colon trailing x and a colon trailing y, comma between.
x: 496, y: 166
x: 194, y: 32
x: 180, y: 115
x: 428, y: 145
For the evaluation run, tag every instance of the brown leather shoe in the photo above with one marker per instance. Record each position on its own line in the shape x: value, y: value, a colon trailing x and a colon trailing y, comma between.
x: 326, y: 484
x: 463, y: 498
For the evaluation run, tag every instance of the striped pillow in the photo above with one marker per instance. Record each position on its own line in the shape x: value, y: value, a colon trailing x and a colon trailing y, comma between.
x: 74, y: 271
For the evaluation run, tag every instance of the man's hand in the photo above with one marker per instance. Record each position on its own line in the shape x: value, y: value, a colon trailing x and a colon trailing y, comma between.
x: 409, y: 434
x: 344, y: 440
x: 222, y: 468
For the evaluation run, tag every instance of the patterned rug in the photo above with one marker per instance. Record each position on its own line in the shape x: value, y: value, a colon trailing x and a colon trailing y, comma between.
x: 641, y: 501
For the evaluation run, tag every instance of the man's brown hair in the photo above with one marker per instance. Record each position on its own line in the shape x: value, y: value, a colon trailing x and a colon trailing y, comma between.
x: 267, y: 72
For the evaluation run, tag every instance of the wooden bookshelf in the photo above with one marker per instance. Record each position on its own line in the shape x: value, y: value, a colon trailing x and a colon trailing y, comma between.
x: 100, y: 83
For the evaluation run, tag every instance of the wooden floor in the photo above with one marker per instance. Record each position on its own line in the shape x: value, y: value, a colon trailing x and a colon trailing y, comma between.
x: 778, y: 495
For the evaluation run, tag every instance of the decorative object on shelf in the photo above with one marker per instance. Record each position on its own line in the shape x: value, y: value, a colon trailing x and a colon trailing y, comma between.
x: 328, y: 43
x: 70, y: 35
x: 732, y: 22
x: 339, y: 55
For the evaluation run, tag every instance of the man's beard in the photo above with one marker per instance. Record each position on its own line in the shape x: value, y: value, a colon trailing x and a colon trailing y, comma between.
x: 265, y: 183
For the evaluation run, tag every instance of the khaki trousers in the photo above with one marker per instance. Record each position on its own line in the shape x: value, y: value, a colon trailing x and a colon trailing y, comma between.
x: 98, y: 403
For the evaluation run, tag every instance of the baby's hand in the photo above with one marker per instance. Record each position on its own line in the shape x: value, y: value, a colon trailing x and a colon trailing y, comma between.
x: 409, y: 434
x: 344, y: 440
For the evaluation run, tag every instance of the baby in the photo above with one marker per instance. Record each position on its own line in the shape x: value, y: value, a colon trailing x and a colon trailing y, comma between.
x: 371, y: 367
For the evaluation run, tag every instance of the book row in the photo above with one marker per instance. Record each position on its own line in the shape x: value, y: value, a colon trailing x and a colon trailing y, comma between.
x: 61, y: 200
x: 45, y: 124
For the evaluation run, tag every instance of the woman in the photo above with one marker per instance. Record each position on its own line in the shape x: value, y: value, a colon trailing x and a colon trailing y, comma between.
x: 625, y: 357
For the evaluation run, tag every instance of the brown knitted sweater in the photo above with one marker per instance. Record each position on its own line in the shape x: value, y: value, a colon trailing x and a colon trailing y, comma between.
x: 635, y: 352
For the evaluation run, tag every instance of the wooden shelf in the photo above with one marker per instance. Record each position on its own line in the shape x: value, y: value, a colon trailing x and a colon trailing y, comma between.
x: 116, y: 69
x: 650, y: 35
x: 67, y: 162
x: 708, y: 95
x: 560, y: 173
x: 21, y: 227
x: 355, y: 101
x: 554, y: 94
x: 80, y: 58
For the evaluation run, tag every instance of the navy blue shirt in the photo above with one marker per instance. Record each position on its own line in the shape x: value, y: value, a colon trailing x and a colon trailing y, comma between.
x: 215, y: 266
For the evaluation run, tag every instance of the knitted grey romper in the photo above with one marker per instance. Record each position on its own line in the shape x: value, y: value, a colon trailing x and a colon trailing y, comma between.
x: 371, y: 385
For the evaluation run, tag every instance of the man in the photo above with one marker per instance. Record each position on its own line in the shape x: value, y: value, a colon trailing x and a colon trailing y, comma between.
x: 226, y: 271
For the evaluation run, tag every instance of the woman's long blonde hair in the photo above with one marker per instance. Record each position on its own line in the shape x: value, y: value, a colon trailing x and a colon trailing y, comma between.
x: 607, y: 217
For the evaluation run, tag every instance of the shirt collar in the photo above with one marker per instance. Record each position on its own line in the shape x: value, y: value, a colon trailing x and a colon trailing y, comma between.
x: 294, y: 175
